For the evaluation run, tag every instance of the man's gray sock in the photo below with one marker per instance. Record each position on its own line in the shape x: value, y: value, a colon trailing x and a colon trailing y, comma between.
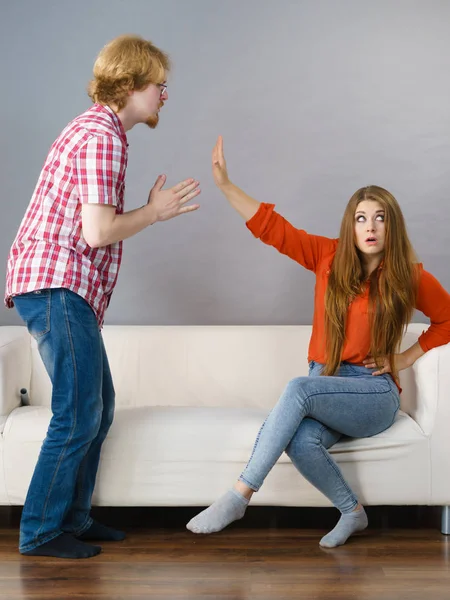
x: 228, y: 508
x: 347, y: 525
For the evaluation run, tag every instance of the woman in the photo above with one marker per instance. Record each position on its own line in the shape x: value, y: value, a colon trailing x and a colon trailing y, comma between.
x: 368, y: 284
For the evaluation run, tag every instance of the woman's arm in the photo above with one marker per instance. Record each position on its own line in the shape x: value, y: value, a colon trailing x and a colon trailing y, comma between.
x: 246, y: 206
x: 434, y: 302
x: 267, y: 225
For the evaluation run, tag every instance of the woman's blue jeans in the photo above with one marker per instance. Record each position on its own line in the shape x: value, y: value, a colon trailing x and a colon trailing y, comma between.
x: 71, y: 347
x: 312, y: 414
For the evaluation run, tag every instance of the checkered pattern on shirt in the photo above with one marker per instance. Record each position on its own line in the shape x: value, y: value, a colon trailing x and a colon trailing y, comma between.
x: 86, y: 163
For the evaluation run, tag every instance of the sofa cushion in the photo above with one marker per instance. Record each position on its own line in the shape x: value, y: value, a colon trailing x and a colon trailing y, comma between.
x: 184, y: 456
x: 214, y: 434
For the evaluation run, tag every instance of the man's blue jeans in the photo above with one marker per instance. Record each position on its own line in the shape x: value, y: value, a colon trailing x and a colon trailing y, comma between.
x: 312, y: 415
x: 71, y: 347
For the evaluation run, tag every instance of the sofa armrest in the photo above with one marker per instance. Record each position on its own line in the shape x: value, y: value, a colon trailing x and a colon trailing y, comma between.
x: 15, y: 368
x: 427, y: 400
x: 434, y: 390
x: 431, y: 378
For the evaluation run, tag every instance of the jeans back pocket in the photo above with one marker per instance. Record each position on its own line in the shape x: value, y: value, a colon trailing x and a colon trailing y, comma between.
x: 34, y: 309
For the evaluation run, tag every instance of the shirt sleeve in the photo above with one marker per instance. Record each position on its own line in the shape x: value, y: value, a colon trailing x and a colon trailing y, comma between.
x: 274, y: 230
x: 434, y: 302
x: 99, y: 170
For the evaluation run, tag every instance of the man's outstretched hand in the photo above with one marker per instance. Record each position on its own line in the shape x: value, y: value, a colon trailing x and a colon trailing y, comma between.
x: 167, y: 204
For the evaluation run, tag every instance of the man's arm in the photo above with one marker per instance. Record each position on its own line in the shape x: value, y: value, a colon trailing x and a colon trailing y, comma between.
x: 102, y: 226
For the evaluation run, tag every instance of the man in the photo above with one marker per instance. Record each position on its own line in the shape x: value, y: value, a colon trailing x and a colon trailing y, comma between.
x: 62, y: 270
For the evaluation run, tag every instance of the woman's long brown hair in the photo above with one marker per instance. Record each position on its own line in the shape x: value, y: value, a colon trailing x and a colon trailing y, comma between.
x: 393, y: 288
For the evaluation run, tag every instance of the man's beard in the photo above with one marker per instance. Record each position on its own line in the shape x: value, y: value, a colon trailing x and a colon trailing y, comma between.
x: 153, y: 121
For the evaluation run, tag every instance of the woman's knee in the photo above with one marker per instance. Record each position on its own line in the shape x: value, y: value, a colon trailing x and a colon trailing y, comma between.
x: 297, y: 383
x: 296, y: 388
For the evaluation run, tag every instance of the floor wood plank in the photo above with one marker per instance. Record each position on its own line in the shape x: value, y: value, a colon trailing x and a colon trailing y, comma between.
x: 240, y: 563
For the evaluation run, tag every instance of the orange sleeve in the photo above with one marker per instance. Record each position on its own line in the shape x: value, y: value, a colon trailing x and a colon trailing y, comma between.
x: 434, y: 301
x: 273, y: 229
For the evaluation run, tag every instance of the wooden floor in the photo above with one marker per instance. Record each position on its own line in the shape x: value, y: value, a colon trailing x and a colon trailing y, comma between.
x: 265, y: 561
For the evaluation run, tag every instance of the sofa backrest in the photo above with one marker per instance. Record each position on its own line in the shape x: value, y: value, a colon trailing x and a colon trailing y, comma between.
x: 236, y: 366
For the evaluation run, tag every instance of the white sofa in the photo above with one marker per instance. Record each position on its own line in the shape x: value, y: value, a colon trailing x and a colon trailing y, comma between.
x: 190, y: 401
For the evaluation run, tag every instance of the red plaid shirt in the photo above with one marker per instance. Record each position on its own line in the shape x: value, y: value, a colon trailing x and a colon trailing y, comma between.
x: 87, y: 163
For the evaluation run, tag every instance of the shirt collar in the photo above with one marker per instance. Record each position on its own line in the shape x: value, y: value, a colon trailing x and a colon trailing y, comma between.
x: 117, y: 123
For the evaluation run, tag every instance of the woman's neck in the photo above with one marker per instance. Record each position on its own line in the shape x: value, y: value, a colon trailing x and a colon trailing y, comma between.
x: 370, y: 264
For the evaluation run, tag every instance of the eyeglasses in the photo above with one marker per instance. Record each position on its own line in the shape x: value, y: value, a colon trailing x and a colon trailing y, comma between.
x: 162, y: 88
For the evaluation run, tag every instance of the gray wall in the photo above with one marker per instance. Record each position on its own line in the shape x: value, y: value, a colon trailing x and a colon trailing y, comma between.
x: 314, y: 99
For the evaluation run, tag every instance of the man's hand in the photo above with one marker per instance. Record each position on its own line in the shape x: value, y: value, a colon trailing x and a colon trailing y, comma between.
x: 166, y: 204
x: 219, y: 165
x: 102, y: 226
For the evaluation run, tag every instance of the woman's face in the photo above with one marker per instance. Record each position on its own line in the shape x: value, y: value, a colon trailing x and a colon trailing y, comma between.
x: 370, y: 229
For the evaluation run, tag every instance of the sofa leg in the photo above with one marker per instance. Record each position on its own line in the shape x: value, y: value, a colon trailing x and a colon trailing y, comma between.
x: 445, y: 521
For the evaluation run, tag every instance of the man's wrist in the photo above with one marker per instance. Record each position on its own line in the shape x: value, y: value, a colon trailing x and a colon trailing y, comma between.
x: 150, y: 214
